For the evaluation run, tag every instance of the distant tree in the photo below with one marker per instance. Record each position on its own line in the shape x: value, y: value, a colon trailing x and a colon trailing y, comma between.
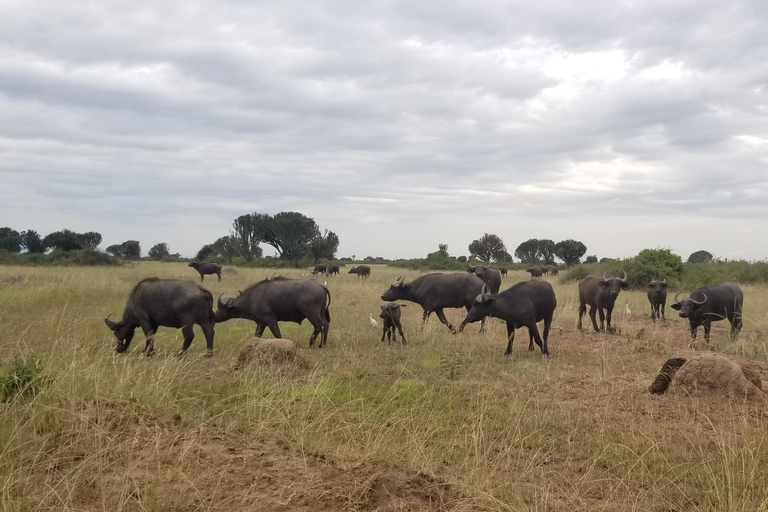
x: 226, y: 247
x: 247, y: 232
x: 590, y: 259
x: 64, y: 240
x: 130, y: 249
x: 114, y: 250
x: 206, y: 252
x: 324, y: 246
x: 571, y: 251
x: 700, y: 257
x: 89, y: 240
x: 290, y: 233
x: 159, y: 251
x: 442, y: 250
x: 606, y: 260
x: 528, y: 251
x: 461, y: 259
x: 656, y: 264
x: 546, y: 251
x: 32, y: 242
x: 10, y: 240
x: 488, y: 247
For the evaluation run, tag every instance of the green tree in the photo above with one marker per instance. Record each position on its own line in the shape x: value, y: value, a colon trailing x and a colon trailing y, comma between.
x: 115, y: 250
x: 64, y: 240
x: 247, y: 232
x: 546, y: 251
x: 159, y: 251
x: 10, y: 240
x: 226, y: 247
x: 324, y: 246
x: 290, y: 233
x: 130, y: 249
x: 89, y: 240
x: 700, y: 257
x: 656, y: 264
x: 571, y: 251
x: 461, y: 259
x: 32, y: 242
x: 488, y: 247
x: 528, y: 251
x: 207, y: 251
x: 590, y: 259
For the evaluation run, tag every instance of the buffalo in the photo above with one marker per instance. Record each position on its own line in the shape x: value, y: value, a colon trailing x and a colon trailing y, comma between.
x: 280, y: 299
x: 319, y: 269
x: 503, y: 271
x: 206, y: 268
x: 554, y: 271
x: 544, y: 271
x: 522, y: 305
x: 657, y: 296
x: 711, y: 304
x: 332, y: 269
x: 535, y: 273
x: 363, y: 271
x: 390, y: 313
x: 434, y: 292
x: 488, y: 275
x: 600, y: 293
x: 156, y: 302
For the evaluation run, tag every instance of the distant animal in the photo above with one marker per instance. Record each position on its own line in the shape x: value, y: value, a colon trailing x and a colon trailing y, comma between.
x: 711, y: 304
x: 332, y: 269
x: 503, y: 271
x: 157, y: 302
x: 434, y: 292
x: 488, y: 275
x: 544, y: 271
x: 657, y: 296
x: 535, y: 273
x: 600, y: 293
x: 319, y: 269
x: 281, y: 300
x: 206, y: 268
x: 373, y: 322
x: 363, y: 271
x: 554, y: 271
x: 390, y: 313
x: 522, y: 305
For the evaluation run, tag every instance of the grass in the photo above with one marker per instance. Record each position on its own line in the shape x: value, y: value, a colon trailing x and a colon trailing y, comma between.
x: 577, y: 432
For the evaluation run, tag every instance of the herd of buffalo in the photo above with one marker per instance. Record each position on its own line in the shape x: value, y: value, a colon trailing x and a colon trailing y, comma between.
x: 155, y: 302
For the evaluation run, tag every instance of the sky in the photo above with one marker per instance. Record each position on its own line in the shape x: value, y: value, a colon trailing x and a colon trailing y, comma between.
x: 399, y: 125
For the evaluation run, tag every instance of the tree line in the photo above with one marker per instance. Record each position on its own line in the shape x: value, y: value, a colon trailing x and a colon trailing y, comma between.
x: 490, y: 247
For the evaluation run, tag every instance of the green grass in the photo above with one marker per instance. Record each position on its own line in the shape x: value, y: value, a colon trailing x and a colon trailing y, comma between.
x: 577, y: 432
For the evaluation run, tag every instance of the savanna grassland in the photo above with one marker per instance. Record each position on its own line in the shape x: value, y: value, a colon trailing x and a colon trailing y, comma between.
x: 365, y: 425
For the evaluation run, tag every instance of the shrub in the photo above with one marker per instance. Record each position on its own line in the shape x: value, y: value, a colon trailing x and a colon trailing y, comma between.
x: 24, y: 377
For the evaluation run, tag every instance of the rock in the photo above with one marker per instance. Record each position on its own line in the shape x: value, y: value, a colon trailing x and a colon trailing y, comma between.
x: 274, y: 351
x: 230, y: 271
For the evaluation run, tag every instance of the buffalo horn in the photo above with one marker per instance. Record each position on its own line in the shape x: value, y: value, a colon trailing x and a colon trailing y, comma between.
x: 700, y: 302
x: 664, y: 281
x: 605, y: 275
x: 484, y: 291
x: 677, y: 301
x: 625, y: 277
x: 222, y: 303
x: 107, y: 317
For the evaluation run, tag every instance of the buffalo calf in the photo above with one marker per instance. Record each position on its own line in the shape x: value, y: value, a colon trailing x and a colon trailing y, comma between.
x: 390, y: 313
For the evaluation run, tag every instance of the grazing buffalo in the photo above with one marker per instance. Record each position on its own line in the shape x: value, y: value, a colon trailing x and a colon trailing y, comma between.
x: 544, y: 271
x: 488, y: 275
x: 711, y: 304
x: 206, y: 268
x: 554, y: 271
x: 535, y: 273
x: 521, y: 305
x: 503, y: 271
x: 434, y: 292
x: 280, y: 299
x: 657, y: 296
x: 169, y: 303
x: 600, y: 293
x: 362, y: 271
x: 332, y: 269
x: 390, y: 313
x: 319, y: 269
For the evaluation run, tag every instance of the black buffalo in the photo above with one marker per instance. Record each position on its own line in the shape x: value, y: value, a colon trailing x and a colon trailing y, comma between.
x: 169, y: 303
x: 521, y: 305
x: 488, y: 275
x: 554, y: 271
x: 535, y: 273
x: 332, y: 269
x: 544, y: 271
x: 362, y: 271
x: 390, y: 313
x: 206, y: 268
x: 281, y: 299
x: 319, y: 269
x: 600, y: 293
x: 434, y: 292
x: 503, y: 271
x: 711, y: 304
x: 657, y: 296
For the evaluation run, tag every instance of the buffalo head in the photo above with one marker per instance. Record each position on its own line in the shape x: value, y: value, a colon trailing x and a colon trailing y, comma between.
x: 657, y: 286
x: 225, y: 309
x: 397, y: 290
x: 481, y: 308
x: 123, y: 333
x: 687, y: 307
x: 614, y: 284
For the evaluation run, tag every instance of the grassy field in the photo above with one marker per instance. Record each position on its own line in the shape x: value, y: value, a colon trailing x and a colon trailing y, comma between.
x: 367, y: 426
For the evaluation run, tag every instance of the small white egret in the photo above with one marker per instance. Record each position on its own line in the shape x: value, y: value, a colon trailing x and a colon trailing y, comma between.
x: 627, y: 311
x: 374, y: 323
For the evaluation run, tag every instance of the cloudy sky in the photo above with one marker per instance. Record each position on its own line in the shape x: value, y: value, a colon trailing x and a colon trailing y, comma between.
x: 398, y: 125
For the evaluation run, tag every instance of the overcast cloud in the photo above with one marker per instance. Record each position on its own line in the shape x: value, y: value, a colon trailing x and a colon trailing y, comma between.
x: 398, y: 125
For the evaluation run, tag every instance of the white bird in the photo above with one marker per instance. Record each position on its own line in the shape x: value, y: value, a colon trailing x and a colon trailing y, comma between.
x: 326, y: 283
x: 627, y: 310
x: 374, y: 323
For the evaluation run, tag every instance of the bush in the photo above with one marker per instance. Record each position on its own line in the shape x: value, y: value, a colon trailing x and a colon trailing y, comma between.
x: 58, y: 258
x: 24, y: 377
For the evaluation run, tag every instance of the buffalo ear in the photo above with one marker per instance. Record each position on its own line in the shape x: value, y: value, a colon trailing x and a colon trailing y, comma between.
x: 603, y: 283
x: 112, y: 325
x: 675, y: 306
x: 625, y: 285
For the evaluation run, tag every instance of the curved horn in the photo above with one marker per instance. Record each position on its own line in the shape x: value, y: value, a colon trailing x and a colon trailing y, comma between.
x: 664, y: 281
x: 605, y: 275
x: 107, y: 317
x: 220, y: 302
x: 624, y: 280
x: 484, y: 291
x: 702, y: 302
x: 676, y: 295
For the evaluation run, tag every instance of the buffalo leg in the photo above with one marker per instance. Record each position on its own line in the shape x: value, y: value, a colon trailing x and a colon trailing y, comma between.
x: 275, y: 329
x: 663, y: 305
x: 189, y: 335
x: 384, y: 332
x: 736, y: 321
x: 425, y: 317
x: 530, y: 341
x: 313, y: 337
x: 608, y: 316
x: 202, y: 277
x: 208, y: 332
x: 707, y: 326
x: 510, y: 337
x: 653, y: 312
x: 149, y: 334
x: 534, y: 331
x: 219, y: 274
x: 400, y: 328
x: 694, y: 327
x: 441, y: 316
x: 260, y: 330
x: 592, y: 313
x: 582, y: 311
x: 602, y: 320
x: 547, y: 325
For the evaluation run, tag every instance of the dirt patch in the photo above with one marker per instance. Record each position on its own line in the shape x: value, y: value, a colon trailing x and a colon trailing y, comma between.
x: 271, y: 352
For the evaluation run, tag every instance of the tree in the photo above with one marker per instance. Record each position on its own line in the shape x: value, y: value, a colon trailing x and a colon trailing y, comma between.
x: 590, y: 259
x: 324, y: 246
x: 226, y: 247
x: 487, y: 247
x: 546, y: 251
x: 89, y: 240
x: 461, y: 259
x: 10, y: 240
x: 442, y: 250
x: 114, y: 250
x: 290, y: 233
x: 64, y: 240
x: 528, y: 251
x: 31, y: 241
x: 571, y: 251
x: 159, y: 251
x: 207, y: 251
x: 700, y: 257
x: 130, y: 249
x: 247, y: 231
x: 656, y: 264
